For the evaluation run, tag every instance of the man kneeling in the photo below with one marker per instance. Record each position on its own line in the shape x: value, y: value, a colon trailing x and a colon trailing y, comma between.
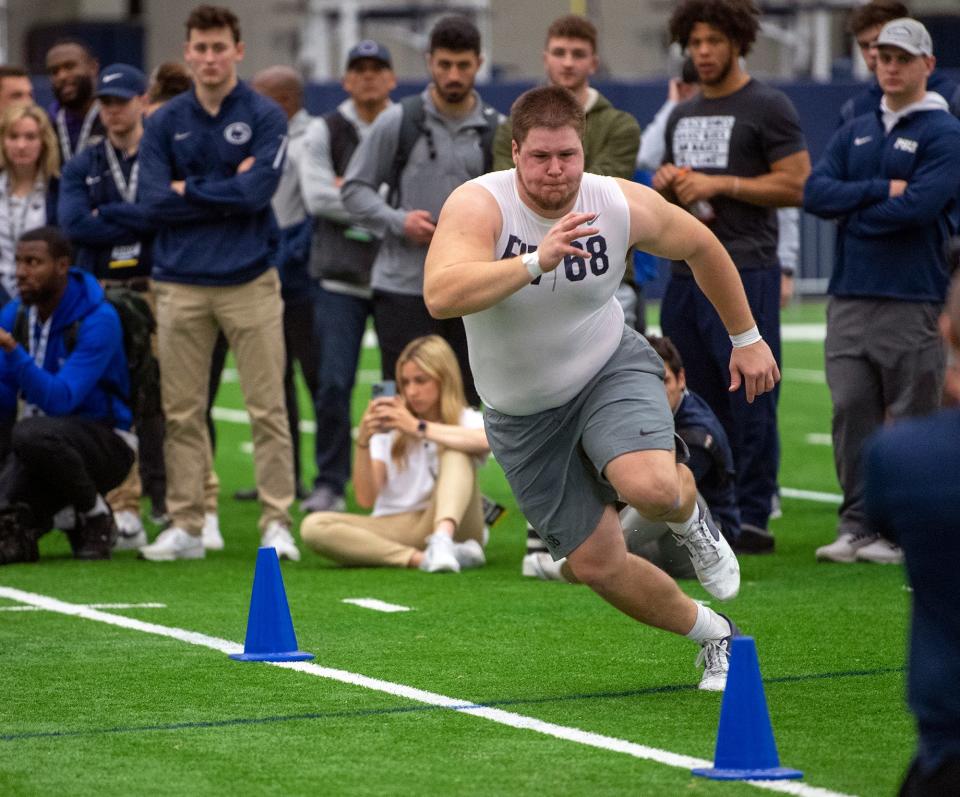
x: 64, y: 417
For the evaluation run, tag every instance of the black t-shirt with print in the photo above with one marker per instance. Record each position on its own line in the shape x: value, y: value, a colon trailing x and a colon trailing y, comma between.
x: 740, y: 134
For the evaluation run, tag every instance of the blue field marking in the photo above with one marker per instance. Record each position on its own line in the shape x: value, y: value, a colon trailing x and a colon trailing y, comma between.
x: 376, y: 712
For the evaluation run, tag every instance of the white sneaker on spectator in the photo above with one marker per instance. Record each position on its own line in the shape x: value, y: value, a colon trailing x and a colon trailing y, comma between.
x: 130, y: 532
x: 173, y: 543
x: 541, y: 565
x: 65, y: 519
x: 845, y: 547
x: 279, y: 537
x: 323, y: 499
x: 881, y: 551
x: 469, y: 553
x: 714, y: 655
x: 212, y: 539
x: 440, y: 556
x: 713, y: 559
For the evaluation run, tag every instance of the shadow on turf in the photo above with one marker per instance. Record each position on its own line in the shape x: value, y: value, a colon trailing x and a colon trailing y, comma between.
x: 520, y: 701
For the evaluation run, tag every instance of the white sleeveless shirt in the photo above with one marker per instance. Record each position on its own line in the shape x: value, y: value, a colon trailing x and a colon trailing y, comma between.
x: 539, y: 347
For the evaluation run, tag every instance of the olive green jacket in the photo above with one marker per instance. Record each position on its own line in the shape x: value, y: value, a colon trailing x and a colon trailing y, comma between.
x: 610, y: 143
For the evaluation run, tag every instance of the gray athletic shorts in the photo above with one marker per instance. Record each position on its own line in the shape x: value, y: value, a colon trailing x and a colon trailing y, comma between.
x: 554, y: 460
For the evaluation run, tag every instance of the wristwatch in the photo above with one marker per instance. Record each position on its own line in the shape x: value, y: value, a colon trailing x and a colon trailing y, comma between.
x: 422, y: 429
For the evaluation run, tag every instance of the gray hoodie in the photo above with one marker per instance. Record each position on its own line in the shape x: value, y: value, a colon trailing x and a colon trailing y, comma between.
x: 429, y: 177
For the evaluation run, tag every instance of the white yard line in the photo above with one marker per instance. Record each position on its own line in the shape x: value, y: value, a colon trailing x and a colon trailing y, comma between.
x: 376, y: 605
x: 89, y: 606
x: 810, y: 375
x: 500, y: 716
x: 811, y: 495
x: 819, y: 439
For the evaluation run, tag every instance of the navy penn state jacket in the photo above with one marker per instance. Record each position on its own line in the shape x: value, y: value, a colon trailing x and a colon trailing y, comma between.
x: 117, y: 241
x: 890, y: 247
x: 222, y: 230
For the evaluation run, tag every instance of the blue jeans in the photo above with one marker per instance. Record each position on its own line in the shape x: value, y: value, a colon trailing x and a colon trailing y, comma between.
x: 689, y: 320
x: 339, y: 322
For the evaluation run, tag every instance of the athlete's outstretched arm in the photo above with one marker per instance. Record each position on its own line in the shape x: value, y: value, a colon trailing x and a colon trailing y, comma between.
x: 462, y: 274
x: 666, y: 230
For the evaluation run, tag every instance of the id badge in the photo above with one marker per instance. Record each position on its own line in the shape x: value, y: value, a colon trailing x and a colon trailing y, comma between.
x: 125, y: 256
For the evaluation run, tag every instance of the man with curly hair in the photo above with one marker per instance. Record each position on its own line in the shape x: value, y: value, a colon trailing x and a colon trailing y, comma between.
x: 734, y: 154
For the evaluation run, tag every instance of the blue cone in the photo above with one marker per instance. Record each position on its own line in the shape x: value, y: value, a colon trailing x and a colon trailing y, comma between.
x: 270, y: 634
x: 746, y: 749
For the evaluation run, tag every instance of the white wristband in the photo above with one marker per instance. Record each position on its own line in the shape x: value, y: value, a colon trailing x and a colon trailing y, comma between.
x: 747, y: 338
x: 532, y: 261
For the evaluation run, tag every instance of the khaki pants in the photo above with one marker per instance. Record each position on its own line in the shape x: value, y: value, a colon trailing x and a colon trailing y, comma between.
x: 251, y: 317
x: 126, y: 497
x: 390, y: 540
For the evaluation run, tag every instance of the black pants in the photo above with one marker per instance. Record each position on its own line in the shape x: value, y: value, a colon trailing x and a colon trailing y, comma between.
x: 942, y: 782
x: 58, y: 462
x: 219, y: 359
x: 298, y: 336
x: 399, y: 318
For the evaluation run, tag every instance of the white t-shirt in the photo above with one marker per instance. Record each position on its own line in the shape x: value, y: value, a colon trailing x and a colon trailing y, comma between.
x: 538, y: 347
x: 410, y: 489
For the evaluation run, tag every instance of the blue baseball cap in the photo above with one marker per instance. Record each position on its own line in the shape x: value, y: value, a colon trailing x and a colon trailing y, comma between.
x: 121, y: 80
x: 368, y: 48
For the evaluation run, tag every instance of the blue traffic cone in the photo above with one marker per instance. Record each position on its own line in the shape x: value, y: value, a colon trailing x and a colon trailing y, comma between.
x: 270, y: 634
x: 746, y: 749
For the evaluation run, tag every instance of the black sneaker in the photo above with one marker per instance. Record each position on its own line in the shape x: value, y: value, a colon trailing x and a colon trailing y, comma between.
x: 754, y: 540
x: 95, y: 537
x: 18, y: 535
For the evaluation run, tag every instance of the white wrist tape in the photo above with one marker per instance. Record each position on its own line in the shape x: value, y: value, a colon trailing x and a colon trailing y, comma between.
x: 532, y: 261
x: 747, y: 338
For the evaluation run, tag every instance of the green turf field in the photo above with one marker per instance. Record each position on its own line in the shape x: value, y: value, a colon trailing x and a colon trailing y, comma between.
x: 573, y: 692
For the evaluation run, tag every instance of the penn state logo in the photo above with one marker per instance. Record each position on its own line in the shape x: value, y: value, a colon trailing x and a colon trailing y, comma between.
x: 237, y: 133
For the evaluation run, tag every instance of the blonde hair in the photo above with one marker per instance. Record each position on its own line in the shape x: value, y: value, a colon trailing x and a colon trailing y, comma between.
x: 49, y: 161
x: 433, y: 355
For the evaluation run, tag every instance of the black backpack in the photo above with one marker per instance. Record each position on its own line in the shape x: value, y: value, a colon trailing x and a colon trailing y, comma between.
x: 138, y: 326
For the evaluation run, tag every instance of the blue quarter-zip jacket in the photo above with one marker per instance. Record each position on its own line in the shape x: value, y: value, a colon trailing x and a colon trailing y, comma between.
x: 890, y: 247
x: 87, y: 184
x: 88, y: 382
x: 221, y: 231
x: 869, y: 99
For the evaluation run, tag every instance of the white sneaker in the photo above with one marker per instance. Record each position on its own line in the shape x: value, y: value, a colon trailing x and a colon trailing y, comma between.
x: 882, y: 552
x: 541, y: 565
x: 173, y: 543
x: 440, y: 556
x: 323, y: 499
x: 845, y: 547
x: 469, y: 553
x: 212, y: 539
x: 278, y: 536
x: 714, y: 655
x: 130, y: 532
x: 65, y: 519
x: 712, y: 557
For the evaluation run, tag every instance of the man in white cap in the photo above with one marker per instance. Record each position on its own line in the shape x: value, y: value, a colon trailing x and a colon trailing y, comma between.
x: 890, y: 178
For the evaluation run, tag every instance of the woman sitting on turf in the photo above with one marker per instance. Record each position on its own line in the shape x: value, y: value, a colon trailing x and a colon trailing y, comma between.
x: 415, y: 463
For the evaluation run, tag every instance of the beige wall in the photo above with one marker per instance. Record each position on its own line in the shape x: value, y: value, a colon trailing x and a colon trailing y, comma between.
x: 632, y: 32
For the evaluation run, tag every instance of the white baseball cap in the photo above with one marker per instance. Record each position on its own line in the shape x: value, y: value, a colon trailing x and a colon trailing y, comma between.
x: 907, y: 34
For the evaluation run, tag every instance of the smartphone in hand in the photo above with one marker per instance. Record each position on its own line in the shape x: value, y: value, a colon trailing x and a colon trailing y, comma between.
x: 385, y: 389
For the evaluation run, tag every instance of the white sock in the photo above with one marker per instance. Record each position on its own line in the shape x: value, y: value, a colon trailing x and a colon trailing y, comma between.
x: 709, y: 625
x: 99, y: 508
x: 685, y: 526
